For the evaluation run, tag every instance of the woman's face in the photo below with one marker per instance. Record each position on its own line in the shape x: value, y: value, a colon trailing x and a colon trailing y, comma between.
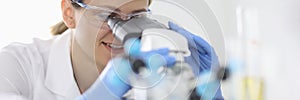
x: 94, y: 37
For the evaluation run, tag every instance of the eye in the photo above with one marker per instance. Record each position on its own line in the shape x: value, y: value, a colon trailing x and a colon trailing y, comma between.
x: 106, y: 15
x: 113, y: 15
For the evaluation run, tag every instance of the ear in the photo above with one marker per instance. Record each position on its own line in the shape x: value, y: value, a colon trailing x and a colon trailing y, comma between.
x: 68, y: 13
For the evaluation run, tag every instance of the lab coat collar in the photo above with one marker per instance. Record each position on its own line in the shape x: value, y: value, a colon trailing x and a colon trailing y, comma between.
x: 59, y: 75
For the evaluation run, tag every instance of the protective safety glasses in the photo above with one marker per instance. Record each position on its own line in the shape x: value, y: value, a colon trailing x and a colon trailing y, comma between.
x: 98, y: 13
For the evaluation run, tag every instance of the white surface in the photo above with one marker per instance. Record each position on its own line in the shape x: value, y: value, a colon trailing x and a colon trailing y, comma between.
x: 38, y: 71
x: 21, y: 20
x: 274, y: 25
x: 195, y: 16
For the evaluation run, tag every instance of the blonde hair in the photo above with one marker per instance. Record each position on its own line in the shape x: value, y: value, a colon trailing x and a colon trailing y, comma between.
x: 61, y: 27
x: 58, y: 28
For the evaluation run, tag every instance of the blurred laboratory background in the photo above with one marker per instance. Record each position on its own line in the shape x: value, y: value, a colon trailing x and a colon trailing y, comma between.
x: 259, y: 40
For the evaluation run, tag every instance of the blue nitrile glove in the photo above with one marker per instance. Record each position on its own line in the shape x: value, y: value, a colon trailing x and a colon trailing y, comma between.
x: 112, y: 83
x: 132, y: 47
x: 153, y: 60
x: 203, y: 57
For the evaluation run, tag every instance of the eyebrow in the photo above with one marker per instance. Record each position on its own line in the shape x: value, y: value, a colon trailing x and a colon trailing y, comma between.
x: 138, y: 10
x: 118, y: 10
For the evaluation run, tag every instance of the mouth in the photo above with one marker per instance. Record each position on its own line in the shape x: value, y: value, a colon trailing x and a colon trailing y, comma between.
x: 115, y: 48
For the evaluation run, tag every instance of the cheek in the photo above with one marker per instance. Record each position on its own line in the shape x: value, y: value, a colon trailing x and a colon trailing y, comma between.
x: 89, y: 40
x: 102, y: 56
x: 85, y: 38
x: 103, y: 32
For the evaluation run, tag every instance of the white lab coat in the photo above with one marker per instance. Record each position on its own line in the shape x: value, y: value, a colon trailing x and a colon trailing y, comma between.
x: 40, y: 70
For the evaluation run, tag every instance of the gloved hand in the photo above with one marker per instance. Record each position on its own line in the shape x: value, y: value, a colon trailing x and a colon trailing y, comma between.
x: 203, y: 57
x: 112, y: 83
x: 132, y: 48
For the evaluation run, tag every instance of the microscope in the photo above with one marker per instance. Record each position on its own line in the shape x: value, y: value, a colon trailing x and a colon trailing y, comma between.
x: 172, y: 83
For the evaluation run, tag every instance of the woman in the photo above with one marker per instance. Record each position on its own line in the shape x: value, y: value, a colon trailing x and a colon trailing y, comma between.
x: 67, y: 66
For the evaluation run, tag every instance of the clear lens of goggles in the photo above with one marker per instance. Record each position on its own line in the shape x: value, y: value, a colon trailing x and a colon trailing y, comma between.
x: 104, y: 16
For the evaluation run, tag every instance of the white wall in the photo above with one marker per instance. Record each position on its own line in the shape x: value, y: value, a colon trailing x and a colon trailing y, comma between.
x: 21, y: 20
x: 265, y: 35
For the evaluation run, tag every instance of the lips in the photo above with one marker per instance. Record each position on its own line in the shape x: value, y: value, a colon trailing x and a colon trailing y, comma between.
x: 113, y: 48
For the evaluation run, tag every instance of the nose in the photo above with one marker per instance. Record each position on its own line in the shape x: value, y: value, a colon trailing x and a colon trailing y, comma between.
x: 105, y: 27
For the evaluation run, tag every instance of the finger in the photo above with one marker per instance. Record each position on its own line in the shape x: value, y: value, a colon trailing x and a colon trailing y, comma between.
x: 116, y: 74
x: 193, y: 40
x: 205, y: 58
x: 145, y: 55
x: 161, y: 51
x: 170, y: 61
x: 202, y: 44
x: 173, y: 26
x: 181, y: 31
x: 132, y: 47
x: 189, y: 37
x: 202, y: 67
x: 156, y: 60
x: 197, y: 50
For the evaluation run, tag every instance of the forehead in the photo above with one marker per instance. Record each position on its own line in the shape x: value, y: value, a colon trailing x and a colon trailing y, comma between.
x: 123, y: 5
